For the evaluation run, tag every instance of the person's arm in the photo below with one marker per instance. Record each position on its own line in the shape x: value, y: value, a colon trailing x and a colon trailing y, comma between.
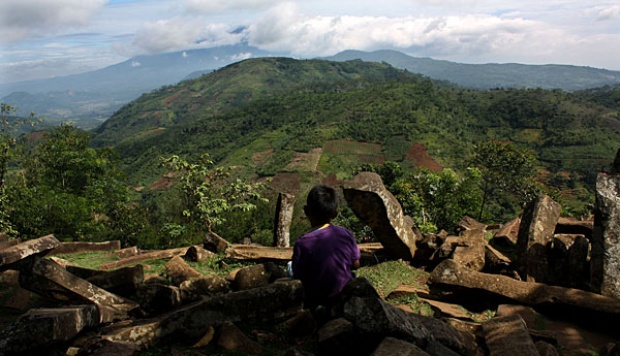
x: 356, y: 264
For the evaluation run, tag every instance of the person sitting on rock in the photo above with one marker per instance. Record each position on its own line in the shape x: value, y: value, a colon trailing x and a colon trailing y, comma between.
x: 324, y: 258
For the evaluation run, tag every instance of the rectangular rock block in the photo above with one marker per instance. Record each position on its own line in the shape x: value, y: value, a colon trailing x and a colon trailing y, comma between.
x: 41, y: 327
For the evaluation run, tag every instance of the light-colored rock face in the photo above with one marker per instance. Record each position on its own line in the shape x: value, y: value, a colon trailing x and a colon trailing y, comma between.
x: 284, y: 217
x: 378, y: 208
x: 606, y: 236
x: 18, y: 252
x: 535, y: 233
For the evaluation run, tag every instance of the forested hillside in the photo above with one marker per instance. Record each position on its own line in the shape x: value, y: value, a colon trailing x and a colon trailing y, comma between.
x: 285, y: 124
x: 291, y: 106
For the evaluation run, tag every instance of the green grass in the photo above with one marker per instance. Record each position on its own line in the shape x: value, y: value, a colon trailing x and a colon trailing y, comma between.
x: 387, y: 276
x: 91, y: 260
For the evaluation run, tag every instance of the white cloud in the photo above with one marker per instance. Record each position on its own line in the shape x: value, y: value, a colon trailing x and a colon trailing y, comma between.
x: 284, y: 28
x: 181, y: 33
x: 22, y: 18
x: 220, y: 6
x: 609, y: 13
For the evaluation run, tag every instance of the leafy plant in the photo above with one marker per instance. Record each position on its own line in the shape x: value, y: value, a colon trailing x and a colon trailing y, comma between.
x: 208, y: 193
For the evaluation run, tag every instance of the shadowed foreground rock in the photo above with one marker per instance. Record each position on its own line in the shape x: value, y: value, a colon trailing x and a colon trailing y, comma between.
x: 378, y: 208
x: 275, y: 301
x: 39, y: 328
x: 508, y: 336
x: 48, y: 279
x: 123, y: 281
x: 373, y: 316
x: 533, y: 294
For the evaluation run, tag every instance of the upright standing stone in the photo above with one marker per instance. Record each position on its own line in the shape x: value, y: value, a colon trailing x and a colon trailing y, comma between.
x: 535, y: 232
x: 605, y: 261
x: 284, y: 217
x: 378, y: 208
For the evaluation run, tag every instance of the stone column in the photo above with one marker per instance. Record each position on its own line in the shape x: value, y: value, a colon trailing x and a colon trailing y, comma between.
x: 605, y: 261
x: 283, y: 219
x: 535, y: 233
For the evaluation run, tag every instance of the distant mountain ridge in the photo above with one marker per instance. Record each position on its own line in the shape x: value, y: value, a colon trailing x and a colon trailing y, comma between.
x: 492, y: 75
x: 90, y: 98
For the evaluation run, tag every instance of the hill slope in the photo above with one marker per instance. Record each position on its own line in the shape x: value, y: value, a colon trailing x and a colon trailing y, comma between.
x: 493, y: 75
x: 274, y: 116
x: 91, y: 97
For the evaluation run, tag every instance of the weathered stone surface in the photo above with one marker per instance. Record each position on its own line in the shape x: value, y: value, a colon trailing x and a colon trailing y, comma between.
x: 359, y: 287
x: 126, y: 252
x: 446, y: 249
x: 198, y: 254
x: 576, y: 266
x: 282, y: 222
x: 580, y: 302
x: 146, y: 256
x: 535, y: 233
x: 233, y: 339
x: 39, y: 328
x: 208, y: 285
x: 156, y: 299
x: 391, y: 346
x: 378, y: 208
x: 123, y: 281
x: 179, y: 271
x: 337, y: 337
x: 426, y: 247
x: 546, y: 349
x: 48, y: 279
x: 573, y: 226
x: 40, y: 247
x: 6, y: 243
x: 257, y: 275
x: 214, y: 243
x: 605, y: 261
x: 615, y: 167
x: 508, y: 336
x: 471, y: 252
x: 271, y: 302
x: 568, y: 260
x: 12, y: 295
x: 299, y: 326
x: 469, y: 223
x: 259, y: 253
x: 84, y: 246
x: 373, y: 315
x: 497, y: 262
x: 508, y: 234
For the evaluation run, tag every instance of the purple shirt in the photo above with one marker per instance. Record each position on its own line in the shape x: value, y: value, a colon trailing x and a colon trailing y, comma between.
x: 322, y: 260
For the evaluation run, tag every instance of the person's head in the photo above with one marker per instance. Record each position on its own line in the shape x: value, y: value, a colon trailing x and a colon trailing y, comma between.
x: 321, y: 204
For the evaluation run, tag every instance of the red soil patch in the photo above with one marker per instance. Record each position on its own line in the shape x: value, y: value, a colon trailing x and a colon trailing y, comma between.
x: 418, y: 154
x: 164, y: 182
x: 286, y: 182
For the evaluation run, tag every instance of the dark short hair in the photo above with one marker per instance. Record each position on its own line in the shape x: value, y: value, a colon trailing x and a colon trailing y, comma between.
x: 322, y: 202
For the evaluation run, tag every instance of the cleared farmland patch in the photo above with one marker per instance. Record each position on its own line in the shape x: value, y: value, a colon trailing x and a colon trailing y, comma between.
x: 342, y: 157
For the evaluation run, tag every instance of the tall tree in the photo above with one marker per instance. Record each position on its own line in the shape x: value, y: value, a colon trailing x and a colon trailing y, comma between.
x: 507, y: 173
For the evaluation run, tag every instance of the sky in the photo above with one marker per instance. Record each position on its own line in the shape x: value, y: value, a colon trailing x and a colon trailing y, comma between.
x: 48, y: 38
